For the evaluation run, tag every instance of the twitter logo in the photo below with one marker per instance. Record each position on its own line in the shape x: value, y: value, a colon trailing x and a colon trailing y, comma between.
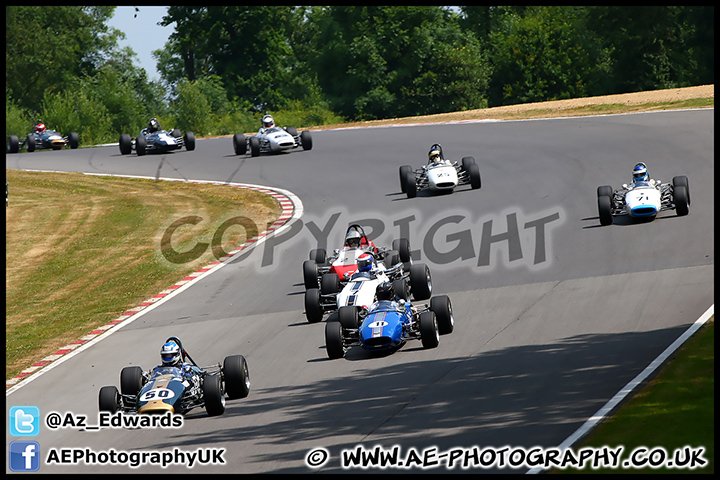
x: 24, y: 421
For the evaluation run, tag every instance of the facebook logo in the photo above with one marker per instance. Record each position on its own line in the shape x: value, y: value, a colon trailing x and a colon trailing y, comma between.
x: 24, y: 421
x: 24, y: 456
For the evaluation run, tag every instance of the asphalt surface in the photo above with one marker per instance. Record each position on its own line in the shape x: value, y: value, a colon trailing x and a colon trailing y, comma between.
x: 554, y: 314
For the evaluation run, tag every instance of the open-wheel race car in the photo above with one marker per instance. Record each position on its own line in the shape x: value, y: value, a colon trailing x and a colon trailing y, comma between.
x: 271, y: 139
x: 359, y: 288
x: 345, y: 260
x: 388, y: 324
x: 154, y: 139
x: 178, y: 385
x: 439, y: 174
x: 42, y: 138
x: 644, y: 198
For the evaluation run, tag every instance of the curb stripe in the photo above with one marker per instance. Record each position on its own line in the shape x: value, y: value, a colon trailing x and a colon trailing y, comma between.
x: 288, y: 209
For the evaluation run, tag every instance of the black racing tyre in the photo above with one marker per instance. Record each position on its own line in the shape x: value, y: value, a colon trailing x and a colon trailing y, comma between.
x: 605, y: 190
x: 237, y: 377
x: 176, y: 133
x: 429, y: 333
x: 420, y: 281
x: 442, y: 307
x: 239, y: 144
x: 306, y: 140
x: 109, y: 399
x: 140, y: 145
x: 213, y: 395
x: 30, y: 143
x: 410, y: 185
x: 125, y: 144
x: 189, y: 141
x: 404, y: 170
x: 682, y: 180
x: 605, y: 210
x: 13, y: 144
x: 310, y: 274
x: 348, y: 317
x: 131, y: 380
x: 392, y: 258
x: 474, y: 173
x: 318, y: 255
x: 402, y: 245
x: 313, y: 308
x: 254, y: 146
x: 400, y: 287
x: 681, y: 199
x: 466, y: 162
x: 334, y: 340
x: 73, y: 140
x: 329, y: 284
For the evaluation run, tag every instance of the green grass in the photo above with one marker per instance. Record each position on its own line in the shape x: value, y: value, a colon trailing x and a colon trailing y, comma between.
x: 674, y: 410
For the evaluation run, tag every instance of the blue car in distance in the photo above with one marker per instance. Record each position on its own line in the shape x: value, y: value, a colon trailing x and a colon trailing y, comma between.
x: 388, y: 325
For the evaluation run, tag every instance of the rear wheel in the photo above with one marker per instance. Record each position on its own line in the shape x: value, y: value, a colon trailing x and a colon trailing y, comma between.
x: 443, y: 313
x: 313, y: 308
x: 213, y: 395
x: 125, y: 144
x: 420, y: 281
x: 329, y: 284
x: 109, y: 399
x: 429, y: 333
x: 334, y: 340
x: 402, y: 245
x: 681, y: 199
x: 239, y: 144
x: 189, y: 141
x: 605, y: 210
x: 237, y: 376
x: 348, y: 317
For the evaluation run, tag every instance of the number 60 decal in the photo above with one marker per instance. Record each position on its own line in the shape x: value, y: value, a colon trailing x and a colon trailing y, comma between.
x: 157, y: 394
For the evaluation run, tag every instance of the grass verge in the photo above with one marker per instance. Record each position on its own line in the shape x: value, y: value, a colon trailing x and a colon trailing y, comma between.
x: 82, y: 249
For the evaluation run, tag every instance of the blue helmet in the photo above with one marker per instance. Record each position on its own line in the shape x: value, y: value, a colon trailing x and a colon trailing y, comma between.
x: 640, y: 172
x: 170, y: 354
x: 365, y: 262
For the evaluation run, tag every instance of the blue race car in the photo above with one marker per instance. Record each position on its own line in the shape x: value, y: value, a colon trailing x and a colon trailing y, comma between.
x: 388, y: 324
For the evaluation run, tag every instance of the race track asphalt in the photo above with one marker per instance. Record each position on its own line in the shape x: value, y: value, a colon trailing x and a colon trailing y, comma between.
x: 554, y: 314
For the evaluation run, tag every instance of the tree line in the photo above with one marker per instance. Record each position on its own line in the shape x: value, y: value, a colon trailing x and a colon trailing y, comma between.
x: 223, y: 67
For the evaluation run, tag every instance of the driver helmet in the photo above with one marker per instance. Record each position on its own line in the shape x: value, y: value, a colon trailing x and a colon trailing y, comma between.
x: 153, y: 125
x: 267, y: 121
x: 385, y: 291
x: 170, y: 354
x: 434, y: 155
x: 353, y: 239
x: 365, y: 262
x: 39, y: 127
x: 640, y: 172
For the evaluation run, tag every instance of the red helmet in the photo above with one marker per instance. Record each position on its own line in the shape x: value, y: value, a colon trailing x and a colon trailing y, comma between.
x: 39, y: 127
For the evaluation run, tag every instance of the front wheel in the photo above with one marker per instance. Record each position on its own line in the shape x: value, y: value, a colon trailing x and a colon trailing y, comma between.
x: 140, y: 145
x: 306, y: 140
x: 334, y: 340
x: 443, y: 312
x: 13, y: 144
x: 681, y: 199
x: 420, y: 281
x: 410, y: 185
x: 109, y: 399
x: 254, y: 146
x: 605, y: 210
x: 404, y: 170
x: 313, y: 307
x: 237, y: 376
x: 474, y: 173
x: 239, y: 144
x: 125, y: 144
x: 73, y: 140
x: 189, y: 141
x: 131, y: 380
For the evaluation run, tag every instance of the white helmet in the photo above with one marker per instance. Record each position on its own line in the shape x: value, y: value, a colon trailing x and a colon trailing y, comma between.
x: 268, y: 121
x: 170, y: 354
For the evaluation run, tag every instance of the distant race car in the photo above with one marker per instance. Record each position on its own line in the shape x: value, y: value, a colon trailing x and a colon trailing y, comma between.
x: 344, y: 260
x: 272, y: 140
x: 358, y: 289
x: 160, y: 141
x: 643, y: 199
x: 178, y: 389
x: 387, y: 325
x: 42, y: 138
x: 439, y: 174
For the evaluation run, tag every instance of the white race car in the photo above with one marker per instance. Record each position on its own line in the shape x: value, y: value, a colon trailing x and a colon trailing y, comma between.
x: 360, y: 287
x: 439, y: 174
x: 272, y: 140
x: 643, y: 199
